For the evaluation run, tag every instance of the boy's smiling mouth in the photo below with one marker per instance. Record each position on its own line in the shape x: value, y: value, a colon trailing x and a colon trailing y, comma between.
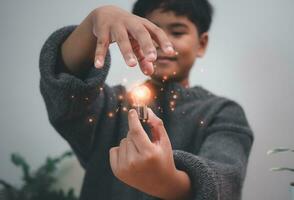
x: 165, y: 59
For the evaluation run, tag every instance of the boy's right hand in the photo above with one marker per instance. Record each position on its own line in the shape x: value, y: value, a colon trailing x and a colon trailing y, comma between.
x: 133, y: 34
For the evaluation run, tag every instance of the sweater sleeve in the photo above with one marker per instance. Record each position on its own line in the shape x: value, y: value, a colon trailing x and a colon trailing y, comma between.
x: 75, y: 105
x: 218, y: 171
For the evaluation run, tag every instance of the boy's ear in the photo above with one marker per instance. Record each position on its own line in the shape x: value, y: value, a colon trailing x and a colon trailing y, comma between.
x: 203, y: 42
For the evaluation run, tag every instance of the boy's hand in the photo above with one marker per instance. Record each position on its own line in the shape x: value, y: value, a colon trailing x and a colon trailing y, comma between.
x: 148, y: 165
x: 133, y: 34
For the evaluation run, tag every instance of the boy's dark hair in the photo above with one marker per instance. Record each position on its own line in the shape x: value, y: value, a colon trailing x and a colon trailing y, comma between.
x: 200, y: 12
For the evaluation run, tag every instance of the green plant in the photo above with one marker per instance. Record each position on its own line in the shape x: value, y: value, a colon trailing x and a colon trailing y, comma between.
x: 279, y: 150
x: 36, y: 185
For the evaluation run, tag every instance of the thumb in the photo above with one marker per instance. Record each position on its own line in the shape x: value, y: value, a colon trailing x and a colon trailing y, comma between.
x: 113, y: 158
x: 157, y: 128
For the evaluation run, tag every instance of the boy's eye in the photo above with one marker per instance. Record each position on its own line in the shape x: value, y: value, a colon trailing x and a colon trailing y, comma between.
x: 178, y: 33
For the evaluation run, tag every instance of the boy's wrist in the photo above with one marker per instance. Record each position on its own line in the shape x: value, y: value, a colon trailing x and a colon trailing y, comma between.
x: 78, y: 49
x: 178, y: 187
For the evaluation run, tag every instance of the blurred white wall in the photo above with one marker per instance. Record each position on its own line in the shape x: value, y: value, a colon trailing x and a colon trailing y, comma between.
x: 249, y: 59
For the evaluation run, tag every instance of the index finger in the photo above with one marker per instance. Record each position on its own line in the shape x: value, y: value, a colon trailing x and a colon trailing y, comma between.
x: 146, y: 66
x: 101, y: 47
x: 137, y: 132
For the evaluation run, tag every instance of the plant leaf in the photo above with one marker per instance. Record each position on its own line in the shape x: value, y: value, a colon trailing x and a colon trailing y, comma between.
x: 19, y: 161
x: 279, y: 149
x: 282, y: 169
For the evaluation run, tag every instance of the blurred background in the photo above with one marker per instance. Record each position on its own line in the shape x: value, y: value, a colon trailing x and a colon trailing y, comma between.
x: 249, y: 59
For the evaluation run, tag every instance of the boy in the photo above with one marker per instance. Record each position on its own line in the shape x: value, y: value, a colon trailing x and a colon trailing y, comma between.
x: 199, y: 143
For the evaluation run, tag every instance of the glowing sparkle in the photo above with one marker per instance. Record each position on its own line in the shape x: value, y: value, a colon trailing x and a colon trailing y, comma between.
x: 175, y: 96
x: 90, y: 120
x: 201, y: 122
x: 174, y: 73
x: 172, y: 109
x: 165, y: 78
x: 172, y: 103
x: 124, y: 109
x: 161, y: 89
x: 120, y: 97
x: 110, y: 114
x: 101, y: 89
x: 72, y: 96
x: 86, y: 98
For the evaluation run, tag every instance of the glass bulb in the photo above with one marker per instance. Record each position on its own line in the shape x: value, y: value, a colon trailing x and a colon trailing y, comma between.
x: 141, y: 96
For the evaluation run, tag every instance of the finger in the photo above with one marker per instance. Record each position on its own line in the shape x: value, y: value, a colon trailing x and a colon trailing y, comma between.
x: 144, y: 40
x: 157, y: 127
x: 101, y: 47
x: 137, y: 133
x: 113, y: 158
x: 122, y: 154
x: 132, y: 152
x: 146, y: 66
x: 131, y: 147
x: 160, y: 37
x: 121, y: 37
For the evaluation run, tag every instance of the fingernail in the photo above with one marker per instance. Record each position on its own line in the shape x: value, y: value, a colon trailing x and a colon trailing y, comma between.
x: 131, y: 61
x: 149, y: 69
x: 151, y: 56
x: 169, y: 49
x: 98, y: 63
x: 132, y: 112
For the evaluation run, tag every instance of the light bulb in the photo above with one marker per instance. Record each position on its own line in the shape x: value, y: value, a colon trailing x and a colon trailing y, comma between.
x: 141, y: 96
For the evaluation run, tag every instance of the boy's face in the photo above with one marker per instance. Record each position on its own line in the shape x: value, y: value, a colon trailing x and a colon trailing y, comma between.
x: 184, y: 36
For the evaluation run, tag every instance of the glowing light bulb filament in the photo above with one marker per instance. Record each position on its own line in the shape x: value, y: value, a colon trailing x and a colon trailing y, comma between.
x: 141, y: 96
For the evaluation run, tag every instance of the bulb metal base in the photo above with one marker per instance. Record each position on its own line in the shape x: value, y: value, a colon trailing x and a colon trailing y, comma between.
x: 142, y: 113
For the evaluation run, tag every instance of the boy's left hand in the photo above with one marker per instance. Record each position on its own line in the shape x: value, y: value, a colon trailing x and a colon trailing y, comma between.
x: 143, y: 164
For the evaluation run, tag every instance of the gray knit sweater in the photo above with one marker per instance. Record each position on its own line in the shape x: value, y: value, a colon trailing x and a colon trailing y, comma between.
x: 210, y: 136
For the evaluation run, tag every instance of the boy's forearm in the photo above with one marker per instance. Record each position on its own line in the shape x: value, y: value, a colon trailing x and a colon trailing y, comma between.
x: 79, y: 48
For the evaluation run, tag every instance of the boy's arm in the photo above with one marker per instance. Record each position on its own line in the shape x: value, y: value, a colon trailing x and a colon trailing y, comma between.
x: 78, y: 50
x: 218, y: 171
x: 75, y: 103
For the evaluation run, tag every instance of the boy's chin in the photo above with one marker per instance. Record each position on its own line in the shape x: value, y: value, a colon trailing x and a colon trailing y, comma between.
x: 164, y: 77
x: 164, y: 72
